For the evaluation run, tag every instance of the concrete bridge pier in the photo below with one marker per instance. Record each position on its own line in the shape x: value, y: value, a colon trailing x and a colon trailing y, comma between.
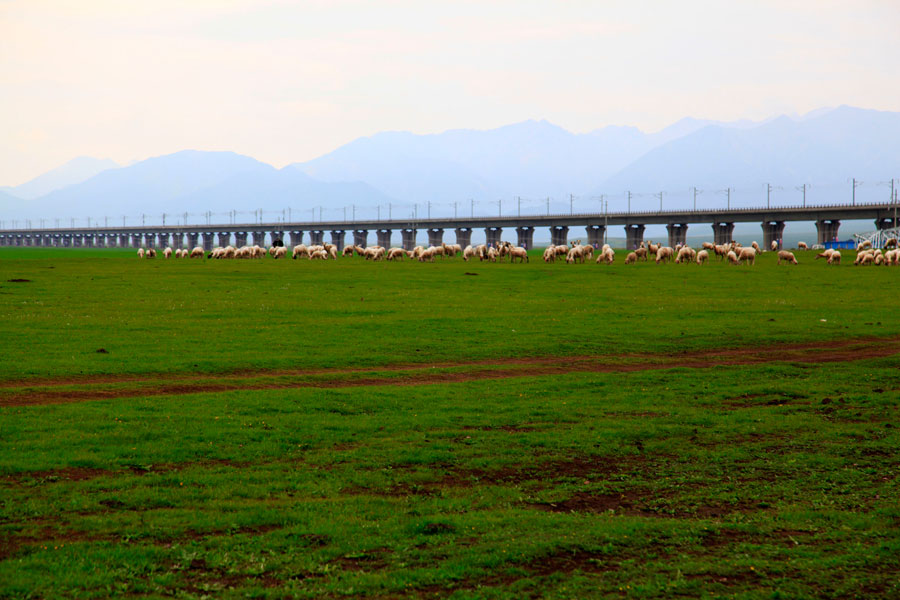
x: 888, y: 223
x: 163, y: 240
x: 464, y: 237
x: 224, y: 238
x: 723, y: 233
x: 258, y: 238
x: 526, y: 237
x: 337, y: 238
x: 408, y: 236
x: 208, y: 241
x: 559, y: 235
x: 315, y: 237
x: 493, y: 235
x: 677, y: 233
x: 773, y: 231
x: 177, y: 240
x: 384, y: 238
x: 240, y: 238
x: 435, y: 237
x: 275, y: 236
x: 193, y: 239
x: 360, y: 237
x: 827, y: 230
x: 295, y: 238
x: 595, y: 235
x: 634, y: 235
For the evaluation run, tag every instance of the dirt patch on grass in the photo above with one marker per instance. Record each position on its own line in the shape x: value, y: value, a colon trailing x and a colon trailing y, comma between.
x: 642, y: 503
x: 184, y: 384
x: 87, y: 473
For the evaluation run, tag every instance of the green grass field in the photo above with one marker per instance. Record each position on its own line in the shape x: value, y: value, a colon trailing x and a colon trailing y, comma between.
x: 276, y: 429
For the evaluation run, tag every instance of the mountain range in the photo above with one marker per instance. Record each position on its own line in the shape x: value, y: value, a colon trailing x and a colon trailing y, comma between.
x: 536, y: 160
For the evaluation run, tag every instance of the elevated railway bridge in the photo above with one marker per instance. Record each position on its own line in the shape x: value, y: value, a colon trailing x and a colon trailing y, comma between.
x: 561, y: 226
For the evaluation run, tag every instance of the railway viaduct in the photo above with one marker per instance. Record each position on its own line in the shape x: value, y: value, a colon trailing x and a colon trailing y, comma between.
x: 595, y: 225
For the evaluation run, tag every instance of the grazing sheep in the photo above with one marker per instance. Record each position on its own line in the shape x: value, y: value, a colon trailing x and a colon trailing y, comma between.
x: 320, y: 254
x: 641, y: 253
x: 632, y: 257
x: 550, y: 255
x: 396, y: 254
x: 864, y: 245
x: 468, y: 253
x: 151, y: 253
x: 664, y: 254
x: 588, y: 251
x: 802, y: 246
x: 721, y: 250
x: 575, y: 254
x: 784, y: 255
x: 890, y: 243
x: 748, y: 255
x: 347, y: 251
x: 653, y: 248
x: 197, y: 252
x: 756, y: 247
x: 835, y: 258
x: 826, y: 254
x: 685, y: 255
x: 517, y: 252
x: 732, y: 257
x: 167, y: 253
x: 774, y: 245
x: 492, y: 254
x: 607, y: 256
x: 879, y: 260
x: 140, y: 253
x: 300, y: 251
x: 702, y: 256
x: 708, y: 246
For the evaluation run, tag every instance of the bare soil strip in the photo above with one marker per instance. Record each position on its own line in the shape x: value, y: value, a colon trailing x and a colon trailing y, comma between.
x: 821, y: 352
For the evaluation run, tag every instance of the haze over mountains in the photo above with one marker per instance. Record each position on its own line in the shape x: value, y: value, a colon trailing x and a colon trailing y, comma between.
x: 533, y: 159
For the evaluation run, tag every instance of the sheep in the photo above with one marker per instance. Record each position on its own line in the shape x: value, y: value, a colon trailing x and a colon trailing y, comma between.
x: 707, y: 246
x: 332, y: 252
x: 890, y: 243
x: 428, y: 254
x: 879, y: 259
x: 632, y: 257
x: 864, y: 245
x: 732, y: 257
x: 721, y: 250
x: 835, y: 258
x: 280, y: 252
x: 756, y: 247
x: 864, y: 259
x: 516, y: 252
x: 396, y: 254
x: 550, y: 255
x: 140, y: 253
x: 468, y: 253
x: 653, y: 248
x: 748, y: 255
x: 702, y: 256
x: 151, y: 253
x: 641, y: 253
x: 802, y: 246
x: 784, y: 255
x: 664, y: 253
x: 300, y: 251
x: 197, y: 252
x: 607, y: 256
x: 588, y: 251
x: 318, y: 255
x: 167, y: 253
x: 685, y: 254
x: 774, y: 245
x: 561, y: 250
x: 890, y: 257
x: 575, y: 254
x: 492, y: 254
x: 347, y: 251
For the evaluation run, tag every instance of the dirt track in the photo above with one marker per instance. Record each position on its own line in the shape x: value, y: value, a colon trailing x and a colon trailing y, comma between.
x: 86, y: 389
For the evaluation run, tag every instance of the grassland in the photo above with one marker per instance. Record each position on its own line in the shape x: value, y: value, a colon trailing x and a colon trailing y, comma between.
x: 292, y: 429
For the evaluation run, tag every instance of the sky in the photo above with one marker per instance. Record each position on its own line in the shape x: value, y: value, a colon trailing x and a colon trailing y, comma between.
x: 288, y: 81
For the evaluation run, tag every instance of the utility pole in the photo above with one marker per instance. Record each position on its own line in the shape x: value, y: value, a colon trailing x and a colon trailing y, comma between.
x: 143, y: 219
x: 345, y: 213
x: 185, y: 218
x: 208, y: 215
x: 518, y: 206
x: 571, y: 203
x: 660, y: 196
x: 390, y: 211
x: 695, y: 197
x: 548, y: 206
x: 855, y: 183
x: 290, y: 219
x: 105, y: 222
x: 472, y: 200
x: 454, y: 210
x: 802, y: 188
x: 768, y: 195
x: 313, y: 213
x: 629, y: 202
x: 499, y: 208
x: 728, y: 197
x: 429, y: 209
x: 415, y: 212
x: 164, y: 219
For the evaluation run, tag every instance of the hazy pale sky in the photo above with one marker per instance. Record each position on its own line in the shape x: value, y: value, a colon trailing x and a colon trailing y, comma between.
x: 287, y: 81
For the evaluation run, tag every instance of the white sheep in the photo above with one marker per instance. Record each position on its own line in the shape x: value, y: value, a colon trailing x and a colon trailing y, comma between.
x: 732, y: 257
x: 784, y: 255
x: 167, y: 253
x: 631, y: 258
x: 748, y: 255
x: 140, y: 253
x: 197, y: 252
x: 702, y: 256
x: 802, y: 246
x: 835, y: 258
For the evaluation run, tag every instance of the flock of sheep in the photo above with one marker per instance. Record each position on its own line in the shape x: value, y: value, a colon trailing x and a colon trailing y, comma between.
x: 575, y: 252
